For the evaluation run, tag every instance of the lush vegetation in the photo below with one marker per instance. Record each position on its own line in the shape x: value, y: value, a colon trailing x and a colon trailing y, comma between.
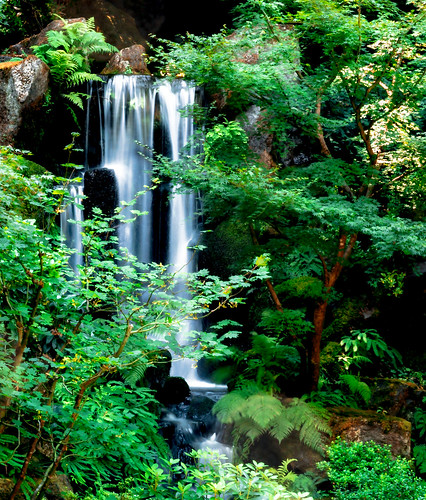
x: 367, y: 471
x: 333, y: 204
x: 22, y: 18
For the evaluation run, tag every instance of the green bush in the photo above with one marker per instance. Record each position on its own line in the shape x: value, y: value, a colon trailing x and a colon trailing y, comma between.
x: 367, y: 471
x: 208, y: 477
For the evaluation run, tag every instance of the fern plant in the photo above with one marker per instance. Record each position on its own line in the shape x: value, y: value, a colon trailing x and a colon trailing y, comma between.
x: 254, y: 412
x: 356, y: 386
x: 67, y: 53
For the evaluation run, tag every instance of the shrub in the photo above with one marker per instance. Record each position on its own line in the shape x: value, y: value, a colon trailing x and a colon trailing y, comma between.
x: 367, y: 471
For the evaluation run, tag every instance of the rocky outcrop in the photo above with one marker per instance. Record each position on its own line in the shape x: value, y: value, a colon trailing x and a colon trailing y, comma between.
x: 24, y: 46
x: 129, y: 61
x: 260, y: 138
x: 117, y: 23
x: 395, y: 397
x: 22, y: 87
x: 349, y: 424
x: 367, y: 425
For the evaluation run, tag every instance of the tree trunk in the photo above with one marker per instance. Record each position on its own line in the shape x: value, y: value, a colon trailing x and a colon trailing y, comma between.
x: 315, y: 347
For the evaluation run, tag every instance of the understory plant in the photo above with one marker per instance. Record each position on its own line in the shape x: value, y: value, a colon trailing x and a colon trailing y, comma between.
x: 68, y: 53
x: 367, y: 471
x: 208, y: 476
x: 76, y: 341
x: 254, y: 412
x: 343, y: 381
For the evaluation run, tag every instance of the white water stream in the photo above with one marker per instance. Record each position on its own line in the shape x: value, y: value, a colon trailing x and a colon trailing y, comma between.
x: 129, y: 109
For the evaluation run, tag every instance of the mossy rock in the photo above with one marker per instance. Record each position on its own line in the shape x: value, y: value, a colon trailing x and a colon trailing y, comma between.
x: 395, y: 397
x: 175, y: 390
x: 367, y: 425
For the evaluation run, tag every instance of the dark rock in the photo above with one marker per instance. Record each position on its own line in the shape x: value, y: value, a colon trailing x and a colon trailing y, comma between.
x: 129, y: 61
x: 157, y: 374
x: 22, y: 87
x: 200, y: 411
x: 268, y: 450
x: 366, y: 425
x: 59, y: 488
x: 395, y: 397
x: 260, y: 139
x: 116, y: 22
x: 6, y: 488
x: 174, y: 391
x: 100, y: 187
x: 24, y: 46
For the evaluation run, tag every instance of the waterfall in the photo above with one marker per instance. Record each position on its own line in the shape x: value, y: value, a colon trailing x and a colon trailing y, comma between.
x: 72, y: 232
x: 128, y: 122
x: 133, y: 111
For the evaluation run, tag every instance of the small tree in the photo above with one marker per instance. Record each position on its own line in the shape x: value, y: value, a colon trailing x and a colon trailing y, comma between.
x: 350, y: 80
x: 75, y: 344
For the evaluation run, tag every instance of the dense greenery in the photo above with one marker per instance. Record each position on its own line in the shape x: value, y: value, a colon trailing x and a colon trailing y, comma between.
x: 76, y: 344
x: 22, y: 18
x: 367, y: 471
x: 348, y: 81
x: 67, y: 53
x: 333, y: 202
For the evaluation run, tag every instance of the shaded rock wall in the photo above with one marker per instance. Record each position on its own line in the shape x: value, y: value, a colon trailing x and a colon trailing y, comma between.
x: 22, y: 87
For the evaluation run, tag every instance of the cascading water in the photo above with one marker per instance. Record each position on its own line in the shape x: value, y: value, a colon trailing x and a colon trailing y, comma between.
x: 128, y: 119
x: 128, y: 107
x: 72, y: 232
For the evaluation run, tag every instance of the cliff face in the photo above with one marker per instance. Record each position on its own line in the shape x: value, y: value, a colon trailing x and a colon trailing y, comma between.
x: 22, y: 87
x: 129, y: 22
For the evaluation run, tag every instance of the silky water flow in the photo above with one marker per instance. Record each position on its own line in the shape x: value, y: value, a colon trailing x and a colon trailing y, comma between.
x: 129, y: 109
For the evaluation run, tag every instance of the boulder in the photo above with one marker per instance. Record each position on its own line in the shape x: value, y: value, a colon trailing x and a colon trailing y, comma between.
x: 260, y: 138
x: 175, y: 390
x: 129, y: 61
x: 348, y: 423
x: 367, y: 425
x: 100, y: 188
x: 6, y: 488
x: 59, y: 488
x: 395, y: 397
x: 117, y: 22
x: 23, y: 84
x: 24, y: 46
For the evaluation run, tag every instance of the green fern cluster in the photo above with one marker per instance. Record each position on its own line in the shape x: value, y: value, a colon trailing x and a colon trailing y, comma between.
x: 68, y: 51
x: 254, y: 412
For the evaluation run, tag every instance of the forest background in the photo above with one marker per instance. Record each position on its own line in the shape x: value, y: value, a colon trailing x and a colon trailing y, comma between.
x: 329, y: 227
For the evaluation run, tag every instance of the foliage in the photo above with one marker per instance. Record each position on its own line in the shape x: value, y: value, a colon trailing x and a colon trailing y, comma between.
x: 71, y: 337
x: 341, y: 383
x: 21, y: 18
x: 266, y: 362
x: 254, y: 412
x: 368, y: 471
x: 349, y: 80
x: 208, y: 476
x: 67, y: 53
x: 362, y: 344
x: 418, y: 437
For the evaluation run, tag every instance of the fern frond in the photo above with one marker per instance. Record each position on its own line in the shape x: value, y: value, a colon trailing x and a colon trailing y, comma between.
x: 58, y: 39
x: 80, y: 77
x: 281, y: 427
x: 356, y: 386
x: 76, y: 98
x: 246, y: 428
x: 311, y: 422
x: 136, y: 373
x: 227, y: 409
x: 262, y: 408
x: 285, y: 476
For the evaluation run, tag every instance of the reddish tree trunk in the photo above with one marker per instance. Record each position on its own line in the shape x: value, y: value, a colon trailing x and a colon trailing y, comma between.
x: 315, y: 348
